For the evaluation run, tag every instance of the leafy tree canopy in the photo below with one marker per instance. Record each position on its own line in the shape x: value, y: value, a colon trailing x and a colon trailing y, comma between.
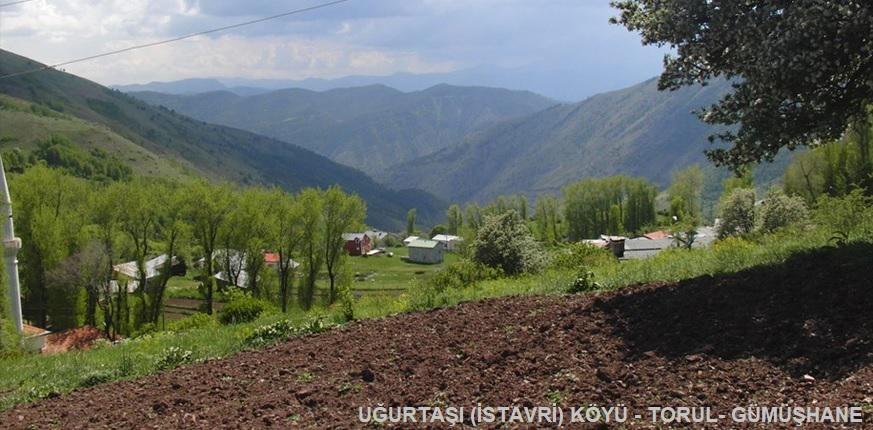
x: 802, y: 70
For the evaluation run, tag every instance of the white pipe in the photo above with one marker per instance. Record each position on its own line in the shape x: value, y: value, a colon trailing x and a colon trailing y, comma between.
x: 11, y: 245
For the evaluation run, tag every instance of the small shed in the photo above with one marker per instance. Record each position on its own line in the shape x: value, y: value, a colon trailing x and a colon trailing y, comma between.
x: 357, y: 243
x: 425, y: 251
x: 448, y: 241
x: 34, y: 338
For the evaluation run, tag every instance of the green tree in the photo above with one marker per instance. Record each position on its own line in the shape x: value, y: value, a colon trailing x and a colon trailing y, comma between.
x: 800, y: 69
x: 504, y: 242
x: 287, y: 234
x: 173, y: 231
x: 610, y: 205
x: 410, y: 222
x: 312, y: 227
x: 686, y: 195
x: 103, y: 212
x: 49, y: 218
x: 780, y: 210
x: 473, y: 216
x: 341, y: 213
x: 547, y: 219
x: 835, y: 169
x: 138, y: 219
x: 455, y: 219
x: 737, y: 213
x: 207, y: 207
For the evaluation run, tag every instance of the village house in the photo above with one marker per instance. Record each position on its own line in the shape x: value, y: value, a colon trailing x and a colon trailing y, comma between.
x: 409, y: 240
x: 240, y: 277
x: 153, y: 270
x: 425, y: 251
x: 357, y: 243
x: 448, y: 241
x: 377, y: 237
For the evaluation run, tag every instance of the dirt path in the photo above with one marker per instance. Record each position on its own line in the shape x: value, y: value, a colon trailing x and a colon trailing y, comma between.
x: 798, y: 334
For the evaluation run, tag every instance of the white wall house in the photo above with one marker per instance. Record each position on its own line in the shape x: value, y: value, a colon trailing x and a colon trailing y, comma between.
x: 425, y: 251
x: 448, y: 241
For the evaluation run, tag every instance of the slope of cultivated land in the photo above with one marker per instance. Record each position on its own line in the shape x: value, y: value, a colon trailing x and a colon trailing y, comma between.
x: 756, y: 336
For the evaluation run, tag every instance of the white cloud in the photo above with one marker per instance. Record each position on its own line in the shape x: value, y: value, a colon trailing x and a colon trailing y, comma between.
x: 360, y: 37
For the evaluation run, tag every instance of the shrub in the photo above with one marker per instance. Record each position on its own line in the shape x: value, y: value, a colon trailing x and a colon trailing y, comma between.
x: 462, y: 274
x: 173, y: 357
x: 504, y: 242
x: 577, y: 255
x: 584, y: 282
x: 780, y: 210
x: 242, y: 309
x: 145, y: 329
x: 283, y: 329
x: 97, y: 377
x: 846, y: 217
x: 267, y: 334
x: 737, y: 213
x: 196, y: 321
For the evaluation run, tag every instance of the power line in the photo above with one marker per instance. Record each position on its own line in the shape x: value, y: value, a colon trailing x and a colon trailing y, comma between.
x: 175, y: 39
x: 13, y: 3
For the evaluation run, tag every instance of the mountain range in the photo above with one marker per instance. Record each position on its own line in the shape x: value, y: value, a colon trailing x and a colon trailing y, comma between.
x: 567, y: 84
x: 159, y: 141
x: 371, y: 128
x: 637, y: 131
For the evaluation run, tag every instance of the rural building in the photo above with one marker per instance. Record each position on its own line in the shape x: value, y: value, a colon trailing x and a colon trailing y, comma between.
x: 34, y: 338
x: 425, y: 251
x: 409, y: 240
x: 153, y: 270
x: 658, y: 235
x: 448, y: 241
x: 271, y: 259
x: 357, y: 243
x: 376, y: 236
x: 643, y: 247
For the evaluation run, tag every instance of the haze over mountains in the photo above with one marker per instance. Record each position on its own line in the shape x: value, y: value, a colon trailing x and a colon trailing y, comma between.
x: 455, y: 144
x: 371, y: 128
x: 637, y: 131
x: 188, y: 146
x: 471, y: 143
x: 566, y: 84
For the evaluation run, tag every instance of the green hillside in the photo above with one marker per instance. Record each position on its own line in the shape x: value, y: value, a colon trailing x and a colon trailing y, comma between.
x: 26, y: 124
x: 371, y: 128
x: 637, y: 131
x: 209, y: 150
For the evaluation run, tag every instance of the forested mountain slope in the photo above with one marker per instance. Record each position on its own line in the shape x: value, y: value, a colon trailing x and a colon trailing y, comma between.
x: 209, y: 150
x: 637, y: 131
x: 372, y: 127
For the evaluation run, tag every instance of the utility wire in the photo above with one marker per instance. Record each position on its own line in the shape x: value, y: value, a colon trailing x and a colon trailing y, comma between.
x: 175, y: 39
x: 13, y: 3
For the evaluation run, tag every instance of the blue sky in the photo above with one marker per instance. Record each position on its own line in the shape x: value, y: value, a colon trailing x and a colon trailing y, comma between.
x: 570, y: 39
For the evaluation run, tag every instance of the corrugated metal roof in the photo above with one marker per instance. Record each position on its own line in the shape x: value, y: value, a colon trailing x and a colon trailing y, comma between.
x: 446, y: 237
x: 423, y: 243
x: 353, y: 236
x: 153, y: 267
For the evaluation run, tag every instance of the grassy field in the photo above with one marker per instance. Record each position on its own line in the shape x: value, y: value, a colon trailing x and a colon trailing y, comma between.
x: 392, y: 274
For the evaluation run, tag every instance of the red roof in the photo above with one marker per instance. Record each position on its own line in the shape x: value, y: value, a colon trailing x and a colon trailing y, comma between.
x: 657, y: 235
x: 271, y: 257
